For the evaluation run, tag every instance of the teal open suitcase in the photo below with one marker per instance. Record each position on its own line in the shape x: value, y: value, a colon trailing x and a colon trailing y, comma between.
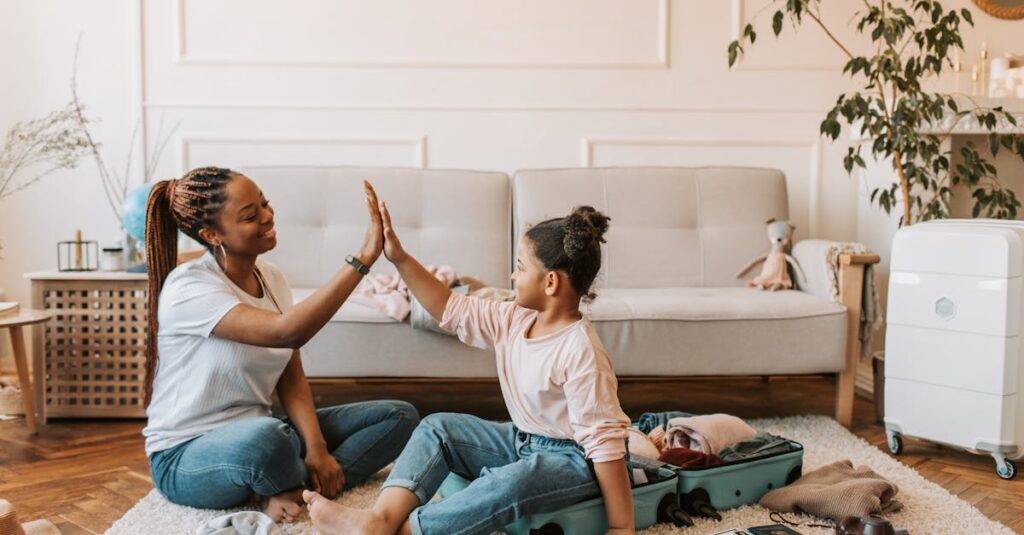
x: 705, y: 490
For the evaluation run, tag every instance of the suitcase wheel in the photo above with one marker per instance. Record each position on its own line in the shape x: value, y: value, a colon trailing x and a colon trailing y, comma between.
x: 1007, y: 470
x: 895, y: 444
x: 669, y: 511
x: 698, y: 502
x: 796, y: 473
x: 547, y: 529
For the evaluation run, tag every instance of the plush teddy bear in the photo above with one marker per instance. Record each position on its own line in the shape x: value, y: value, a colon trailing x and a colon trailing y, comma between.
x: 775, y: 273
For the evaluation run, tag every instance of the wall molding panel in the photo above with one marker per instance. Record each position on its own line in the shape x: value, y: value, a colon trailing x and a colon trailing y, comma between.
x: 658, y: 57
x: 406, y: 152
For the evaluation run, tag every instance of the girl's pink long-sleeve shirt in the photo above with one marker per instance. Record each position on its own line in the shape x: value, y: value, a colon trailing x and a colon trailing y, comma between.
x: 560, y: 385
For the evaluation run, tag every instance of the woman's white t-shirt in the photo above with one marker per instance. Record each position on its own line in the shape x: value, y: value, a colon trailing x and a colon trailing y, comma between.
x: 203, y: 381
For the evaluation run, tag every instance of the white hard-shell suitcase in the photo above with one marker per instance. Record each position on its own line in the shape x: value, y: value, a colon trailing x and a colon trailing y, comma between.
x: 953, y: 371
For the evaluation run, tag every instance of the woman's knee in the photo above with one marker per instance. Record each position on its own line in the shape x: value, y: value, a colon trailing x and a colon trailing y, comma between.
x: 269, y: 440
x: 406, y: 418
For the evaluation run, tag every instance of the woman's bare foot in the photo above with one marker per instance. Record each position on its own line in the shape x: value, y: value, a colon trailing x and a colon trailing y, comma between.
x: 331, y: 518
x: 283, y: 507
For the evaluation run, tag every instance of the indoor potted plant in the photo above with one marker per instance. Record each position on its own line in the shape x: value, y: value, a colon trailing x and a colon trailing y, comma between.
x: 903, y: 122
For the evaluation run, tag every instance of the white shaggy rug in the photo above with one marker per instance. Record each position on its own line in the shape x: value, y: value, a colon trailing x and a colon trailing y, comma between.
x: 928, y: 508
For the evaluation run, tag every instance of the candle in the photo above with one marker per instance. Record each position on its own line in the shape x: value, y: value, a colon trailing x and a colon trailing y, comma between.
x: 78, y: 249
x: 984, y: 68
x: 957, y: 67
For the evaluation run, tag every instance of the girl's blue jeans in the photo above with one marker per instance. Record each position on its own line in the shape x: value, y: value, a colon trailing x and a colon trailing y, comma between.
x: 513, y: 474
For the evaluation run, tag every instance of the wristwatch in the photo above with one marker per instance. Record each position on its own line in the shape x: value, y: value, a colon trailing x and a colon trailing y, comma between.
x: 359, y: 266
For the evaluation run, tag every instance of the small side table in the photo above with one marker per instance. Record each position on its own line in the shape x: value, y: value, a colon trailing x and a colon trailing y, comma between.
x: 90, y: 360
x: 14, y: 323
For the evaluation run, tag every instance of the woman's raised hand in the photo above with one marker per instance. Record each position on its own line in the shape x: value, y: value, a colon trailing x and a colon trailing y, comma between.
x: 373, y: 244
x: 392, y: 247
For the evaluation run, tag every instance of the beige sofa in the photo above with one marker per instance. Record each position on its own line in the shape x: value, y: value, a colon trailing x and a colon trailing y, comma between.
x: 668, y: 301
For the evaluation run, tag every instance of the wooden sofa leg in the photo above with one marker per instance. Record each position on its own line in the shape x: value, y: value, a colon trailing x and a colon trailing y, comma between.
x: 851, y: 290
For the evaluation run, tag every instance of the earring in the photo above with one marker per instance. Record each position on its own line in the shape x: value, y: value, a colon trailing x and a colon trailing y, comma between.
x: 224, y: 254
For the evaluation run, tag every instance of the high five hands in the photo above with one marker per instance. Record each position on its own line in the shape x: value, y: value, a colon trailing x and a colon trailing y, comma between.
x: 380, y: 233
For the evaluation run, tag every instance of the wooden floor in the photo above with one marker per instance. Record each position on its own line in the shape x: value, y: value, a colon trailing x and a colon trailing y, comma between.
x: 83, y: 475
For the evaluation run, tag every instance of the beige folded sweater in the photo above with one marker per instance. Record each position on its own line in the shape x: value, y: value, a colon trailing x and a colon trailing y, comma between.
x: 836, y: 491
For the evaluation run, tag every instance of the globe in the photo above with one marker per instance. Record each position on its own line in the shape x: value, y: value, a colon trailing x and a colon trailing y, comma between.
x: 133, y: 212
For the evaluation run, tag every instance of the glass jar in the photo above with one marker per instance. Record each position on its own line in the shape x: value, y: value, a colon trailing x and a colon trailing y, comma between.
x: 112, y: 259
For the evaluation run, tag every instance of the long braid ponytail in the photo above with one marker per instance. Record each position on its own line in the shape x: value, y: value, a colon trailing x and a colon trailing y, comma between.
x: 188, y: 204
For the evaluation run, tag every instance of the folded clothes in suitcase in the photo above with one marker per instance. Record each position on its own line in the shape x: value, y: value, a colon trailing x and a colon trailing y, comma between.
x: 705, y: 490
x: 749, y: 469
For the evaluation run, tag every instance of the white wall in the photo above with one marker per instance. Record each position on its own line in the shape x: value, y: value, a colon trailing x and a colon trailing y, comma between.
x: 37, y: 45
x: 500, y: 85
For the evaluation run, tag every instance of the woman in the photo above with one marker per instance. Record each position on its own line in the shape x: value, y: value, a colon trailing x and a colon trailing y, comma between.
x: 224, y: 336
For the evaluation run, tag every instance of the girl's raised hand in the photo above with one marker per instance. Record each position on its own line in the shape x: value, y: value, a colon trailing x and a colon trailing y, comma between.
x: 392, y: 247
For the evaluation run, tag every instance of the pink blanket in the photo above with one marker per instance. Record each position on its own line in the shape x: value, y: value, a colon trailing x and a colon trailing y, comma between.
x: 708, y: 433
x: 390, y: 295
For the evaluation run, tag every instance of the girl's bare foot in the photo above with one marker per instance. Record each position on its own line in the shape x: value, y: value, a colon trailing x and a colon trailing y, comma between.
x: 283, y: 507
x: 331, y: 518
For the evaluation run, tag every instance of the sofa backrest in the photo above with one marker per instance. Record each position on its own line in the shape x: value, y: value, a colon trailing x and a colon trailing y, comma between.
x: 460, y: 218
x: 670, y: 226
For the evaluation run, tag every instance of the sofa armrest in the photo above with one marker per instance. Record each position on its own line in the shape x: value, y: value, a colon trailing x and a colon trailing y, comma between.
x: 835, y: 271
x: 822, y: 261
x: 852, y: 259
x: 813, y: 258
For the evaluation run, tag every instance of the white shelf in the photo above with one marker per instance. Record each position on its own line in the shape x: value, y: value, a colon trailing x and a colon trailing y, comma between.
x: 85, y: 275
x: 968, y: 126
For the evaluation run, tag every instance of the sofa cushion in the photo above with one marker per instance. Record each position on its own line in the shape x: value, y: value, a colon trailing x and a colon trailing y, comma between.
x: 671, y: 226
x: 648, y: 332
x: 391, y: 349
x: 719, y: 331
x: 349, y: 312
x: 706, y: 304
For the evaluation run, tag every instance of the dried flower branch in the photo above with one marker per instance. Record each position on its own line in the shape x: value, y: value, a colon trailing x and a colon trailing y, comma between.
x: 115, y: 186
x: 56, y: 141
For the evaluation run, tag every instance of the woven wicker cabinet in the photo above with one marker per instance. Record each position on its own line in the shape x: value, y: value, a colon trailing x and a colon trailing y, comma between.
x: 89, y: 360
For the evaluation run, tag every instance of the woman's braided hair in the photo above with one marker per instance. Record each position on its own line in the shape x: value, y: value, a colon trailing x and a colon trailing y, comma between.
x: 572, y: 244
x: 188, y: 204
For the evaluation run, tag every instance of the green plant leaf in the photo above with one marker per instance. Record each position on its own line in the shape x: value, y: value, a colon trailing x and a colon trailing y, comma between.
x: 966, y: 14
x: 734, y: 50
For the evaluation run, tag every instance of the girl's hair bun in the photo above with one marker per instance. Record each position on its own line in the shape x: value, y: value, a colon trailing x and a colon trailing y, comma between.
x: 584, y: 228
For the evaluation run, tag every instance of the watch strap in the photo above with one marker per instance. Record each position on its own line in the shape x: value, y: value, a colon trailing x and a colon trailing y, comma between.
x: 359, y: 266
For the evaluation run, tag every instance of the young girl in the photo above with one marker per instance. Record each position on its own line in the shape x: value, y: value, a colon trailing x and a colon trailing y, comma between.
x: 224, y: 336
x: 566, y: 441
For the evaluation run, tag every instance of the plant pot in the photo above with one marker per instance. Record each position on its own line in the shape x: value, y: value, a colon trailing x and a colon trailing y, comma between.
x: 878, y: 380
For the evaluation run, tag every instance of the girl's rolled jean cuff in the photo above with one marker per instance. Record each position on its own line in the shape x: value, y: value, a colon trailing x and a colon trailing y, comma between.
x: 408, y: 485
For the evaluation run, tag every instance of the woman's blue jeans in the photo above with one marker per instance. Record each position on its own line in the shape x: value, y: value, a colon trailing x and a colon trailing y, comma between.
x: 513, y: 474
x: 264, y: 455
